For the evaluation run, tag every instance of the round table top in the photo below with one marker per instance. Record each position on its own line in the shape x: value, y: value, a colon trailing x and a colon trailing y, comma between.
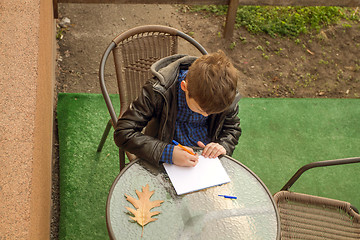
x: 198, y: 215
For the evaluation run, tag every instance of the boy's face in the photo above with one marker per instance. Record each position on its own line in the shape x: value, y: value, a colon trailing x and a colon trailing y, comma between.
x: 192, y: 104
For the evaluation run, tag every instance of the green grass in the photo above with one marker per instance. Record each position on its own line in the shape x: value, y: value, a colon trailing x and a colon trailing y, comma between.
x: 283, y: 21
x: 279, y: 136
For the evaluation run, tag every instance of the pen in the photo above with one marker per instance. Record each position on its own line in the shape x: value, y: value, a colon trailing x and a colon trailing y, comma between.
x: 178, y: 144
x: 227, y: 196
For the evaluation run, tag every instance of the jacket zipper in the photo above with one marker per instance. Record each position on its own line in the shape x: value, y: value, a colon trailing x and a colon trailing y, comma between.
x: 167, y: 113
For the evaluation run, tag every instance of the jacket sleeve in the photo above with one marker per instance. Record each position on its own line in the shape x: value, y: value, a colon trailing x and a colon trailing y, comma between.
x: 230, y: 131
x: 128, y: 132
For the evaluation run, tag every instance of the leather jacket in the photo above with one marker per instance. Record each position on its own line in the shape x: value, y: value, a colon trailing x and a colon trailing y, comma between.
x: 156, y: 109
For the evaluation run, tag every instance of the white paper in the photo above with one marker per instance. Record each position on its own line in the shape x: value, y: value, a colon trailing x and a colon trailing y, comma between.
x: 208, y: 172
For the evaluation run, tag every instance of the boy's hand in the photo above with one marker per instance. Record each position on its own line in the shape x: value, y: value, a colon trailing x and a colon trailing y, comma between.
x: 212, y: 150
x: 184, y: 159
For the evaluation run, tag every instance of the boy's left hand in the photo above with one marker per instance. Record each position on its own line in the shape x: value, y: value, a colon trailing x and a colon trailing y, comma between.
x: 212, y: 150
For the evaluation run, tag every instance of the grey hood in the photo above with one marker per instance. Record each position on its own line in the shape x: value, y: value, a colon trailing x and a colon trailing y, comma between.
x: 168, y: 67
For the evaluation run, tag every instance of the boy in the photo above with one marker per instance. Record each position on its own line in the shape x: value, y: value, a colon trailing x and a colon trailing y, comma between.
x: 190, y: 100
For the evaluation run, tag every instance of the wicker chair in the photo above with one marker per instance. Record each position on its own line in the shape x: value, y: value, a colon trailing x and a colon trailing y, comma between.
x: 305, y: 216
x: 134, y: 51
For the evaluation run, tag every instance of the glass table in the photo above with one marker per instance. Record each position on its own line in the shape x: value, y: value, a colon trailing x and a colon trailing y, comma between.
x: 198, y: 215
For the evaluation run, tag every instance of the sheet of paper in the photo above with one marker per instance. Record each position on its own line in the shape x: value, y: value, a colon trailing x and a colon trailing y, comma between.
x: 208, y: 172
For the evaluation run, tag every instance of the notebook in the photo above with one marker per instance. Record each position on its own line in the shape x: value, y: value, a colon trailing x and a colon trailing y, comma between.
x: 207, y: 173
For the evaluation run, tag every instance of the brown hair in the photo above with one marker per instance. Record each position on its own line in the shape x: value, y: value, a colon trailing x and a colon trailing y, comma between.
x: 212, y: 82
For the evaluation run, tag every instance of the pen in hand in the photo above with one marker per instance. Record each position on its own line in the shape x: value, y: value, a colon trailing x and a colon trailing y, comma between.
x: 184, y: 148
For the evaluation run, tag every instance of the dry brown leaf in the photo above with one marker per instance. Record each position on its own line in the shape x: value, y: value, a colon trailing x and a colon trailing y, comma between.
x: 143, y: 205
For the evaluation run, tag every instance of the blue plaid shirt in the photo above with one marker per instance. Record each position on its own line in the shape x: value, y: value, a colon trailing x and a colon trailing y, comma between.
x: 190, y: 127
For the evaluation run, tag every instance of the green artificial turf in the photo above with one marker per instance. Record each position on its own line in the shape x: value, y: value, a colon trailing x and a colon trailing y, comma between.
x: 279, y: 136
x: 85, y: 175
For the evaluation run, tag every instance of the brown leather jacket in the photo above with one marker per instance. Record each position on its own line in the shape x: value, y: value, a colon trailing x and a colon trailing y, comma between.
x: 156, y: 109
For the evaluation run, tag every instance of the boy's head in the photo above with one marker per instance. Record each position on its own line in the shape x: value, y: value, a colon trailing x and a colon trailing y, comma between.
x: 211, y: 83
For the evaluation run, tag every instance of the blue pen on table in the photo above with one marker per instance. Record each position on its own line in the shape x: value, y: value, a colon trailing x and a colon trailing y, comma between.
x: 178, y: 144
x: 227, y: 196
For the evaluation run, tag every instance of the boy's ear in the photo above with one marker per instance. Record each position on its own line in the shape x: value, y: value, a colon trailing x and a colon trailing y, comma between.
x: 183, y: 86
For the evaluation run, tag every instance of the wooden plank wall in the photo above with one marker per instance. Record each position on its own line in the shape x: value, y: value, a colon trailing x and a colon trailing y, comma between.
x: 188, y: 2
x: 233, y: 5
x: 344, y: 3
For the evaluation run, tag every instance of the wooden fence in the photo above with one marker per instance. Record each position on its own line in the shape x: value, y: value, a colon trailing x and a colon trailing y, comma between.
x: 233, y: 5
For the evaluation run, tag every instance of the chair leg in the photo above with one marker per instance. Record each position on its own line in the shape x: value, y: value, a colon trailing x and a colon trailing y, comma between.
x: 104, y: 136
x: 121, y: 159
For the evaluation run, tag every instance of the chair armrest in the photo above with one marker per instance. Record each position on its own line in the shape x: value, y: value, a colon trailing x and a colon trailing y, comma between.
x: 103, y: 86
x: 318, y: 164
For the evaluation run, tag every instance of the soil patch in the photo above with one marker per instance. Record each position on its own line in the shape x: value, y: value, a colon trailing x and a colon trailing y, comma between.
x: 324, y: 64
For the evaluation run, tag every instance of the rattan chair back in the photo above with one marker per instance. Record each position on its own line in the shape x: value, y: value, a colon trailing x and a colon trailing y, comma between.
x: 305, y: 216
x: 133, y: 58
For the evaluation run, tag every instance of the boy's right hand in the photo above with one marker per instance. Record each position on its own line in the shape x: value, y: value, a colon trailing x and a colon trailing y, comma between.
x: 184, y: 159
